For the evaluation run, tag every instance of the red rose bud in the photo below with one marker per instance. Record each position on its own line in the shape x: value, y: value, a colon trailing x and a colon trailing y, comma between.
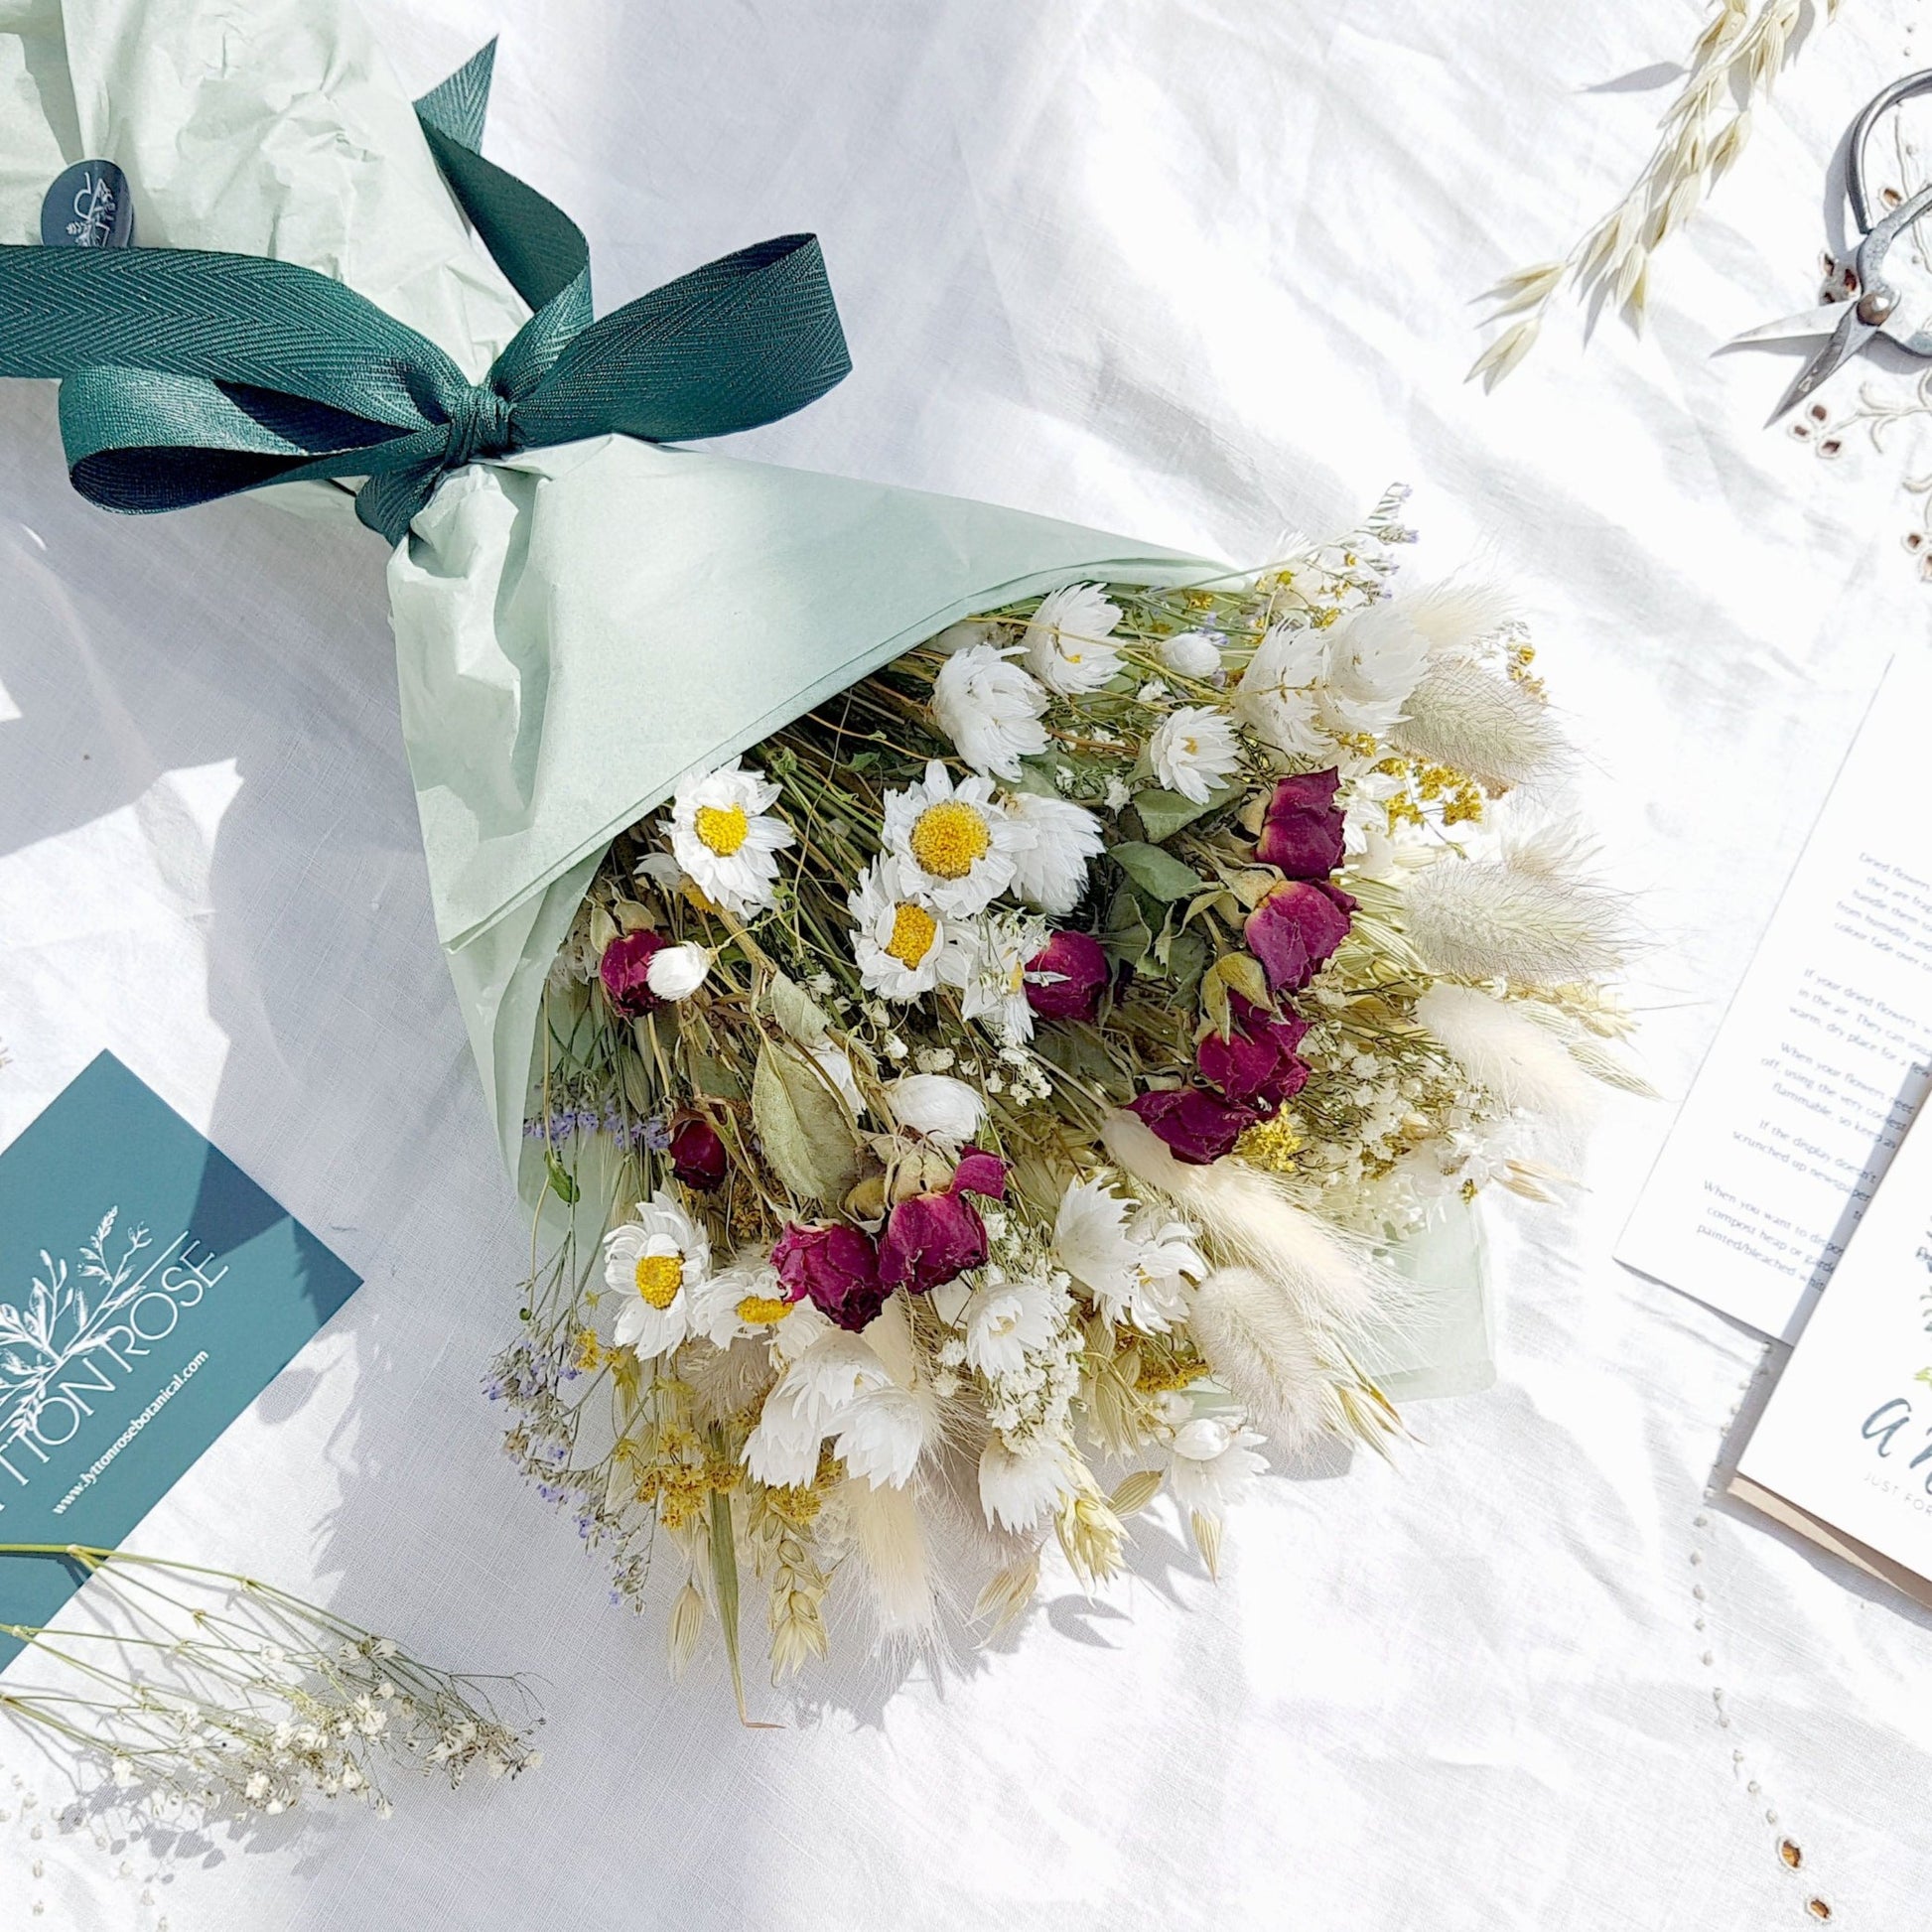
x: 1296, y: 929
x: 1257, y: 1062
x: 932, y: 1238
x: 626, y: 961
x: 1302, y: 833
x: 1065, y: 976
x: 836, y: 1268
x: 698, y: 1157
x: 1197, y: 1127
x: 980, y: 1172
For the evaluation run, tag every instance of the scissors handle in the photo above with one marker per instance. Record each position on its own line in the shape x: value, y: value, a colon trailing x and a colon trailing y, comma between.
x: 1914, y: 83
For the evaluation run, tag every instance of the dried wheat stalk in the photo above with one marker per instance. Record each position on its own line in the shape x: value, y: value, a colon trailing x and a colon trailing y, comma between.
x: 1735, y: 61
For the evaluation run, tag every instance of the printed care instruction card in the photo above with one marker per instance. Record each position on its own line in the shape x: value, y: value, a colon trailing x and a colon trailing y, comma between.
x: 1821, y: 1061
x: 149, y: 1292
x: 1843, y: 1451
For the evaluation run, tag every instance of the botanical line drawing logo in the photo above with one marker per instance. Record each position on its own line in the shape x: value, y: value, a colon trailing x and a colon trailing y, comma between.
x: 69, y: 1314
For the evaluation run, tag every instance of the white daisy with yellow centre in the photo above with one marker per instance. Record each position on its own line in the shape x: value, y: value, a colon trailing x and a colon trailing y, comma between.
x: 723, y: 836
x: 746, y: 1299
x: 904, y: 947
x: 955, y: 848
x: 656, y: 1264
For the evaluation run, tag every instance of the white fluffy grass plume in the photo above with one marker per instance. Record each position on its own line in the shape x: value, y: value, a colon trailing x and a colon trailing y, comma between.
x: 890, y: 1543
x: 1456, y: 615
x: 1460, y: 713
x: 1262, y: 1348
x: 1500, y: 1047
x: 1464, y: 716
x: 1517, y: 918
x: 1336, y: 1288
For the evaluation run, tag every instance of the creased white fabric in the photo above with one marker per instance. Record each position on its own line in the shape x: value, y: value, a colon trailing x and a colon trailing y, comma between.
x: 1201, y: 272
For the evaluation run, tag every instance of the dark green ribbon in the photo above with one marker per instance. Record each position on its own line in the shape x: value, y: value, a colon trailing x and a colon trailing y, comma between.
x: 186, y: 374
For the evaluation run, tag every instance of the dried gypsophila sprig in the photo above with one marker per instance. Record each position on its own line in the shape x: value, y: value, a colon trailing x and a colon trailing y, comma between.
x: 1736, y: 63
x: 206, y: 1692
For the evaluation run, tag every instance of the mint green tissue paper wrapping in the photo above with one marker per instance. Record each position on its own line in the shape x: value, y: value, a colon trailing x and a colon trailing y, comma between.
x: 576, y: 627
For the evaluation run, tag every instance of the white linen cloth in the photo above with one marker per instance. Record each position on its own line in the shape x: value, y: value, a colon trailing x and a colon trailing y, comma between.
x: 1193, y: 272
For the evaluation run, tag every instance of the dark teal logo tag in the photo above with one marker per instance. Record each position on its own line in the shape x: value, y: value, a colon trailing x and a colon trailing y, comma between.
x: 88, y: 206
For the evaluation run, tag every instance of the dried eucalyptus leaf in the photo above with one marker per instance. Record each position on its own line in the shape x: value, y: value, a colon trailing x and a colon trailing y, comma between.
x: 804, y: 1127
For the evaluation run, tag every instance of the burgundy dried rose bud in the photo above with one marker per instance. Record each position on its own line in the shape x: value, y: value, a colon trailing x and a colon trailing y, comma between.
x: 1065, y: 976
x: 980, y: 1172
x: 836, y: 1268
x: 1302, y: 832
x: 698, y: 1157
x: 1296, y: 929
x: 932, y: 1238
x: 626, y: 960
x: 1198, y: 1127
x: 1257, y: 1062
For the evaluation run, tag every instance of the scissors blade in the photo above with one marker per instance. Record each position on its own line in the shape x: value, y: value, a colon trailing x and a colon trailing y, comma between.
x: 1814, y: 322
x: 1850, y: 336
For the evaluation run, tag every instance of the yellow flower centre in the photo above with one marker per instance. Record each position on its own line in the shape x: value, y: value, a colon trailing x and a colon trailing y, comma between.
x: 950, y: 838
x: 722, y: 827
x: 659, y: 1277
x: 761, y: 1311
x: 913, y: 931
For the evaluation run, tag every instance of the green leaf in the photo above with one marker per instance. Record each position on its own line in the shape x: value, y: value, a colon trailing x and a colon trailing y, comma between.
x: 717, y: 1079
x: 1163, y: 813
x: 1128, y: 935
x: 1186, y: 961
x: 561, y: 1183
x: 804, y: 1127
x: 724, y: 1578
x: 798, y: 1015
x: 1243, y: 973
x: 1075, y: 1049
x: 1158, y: 873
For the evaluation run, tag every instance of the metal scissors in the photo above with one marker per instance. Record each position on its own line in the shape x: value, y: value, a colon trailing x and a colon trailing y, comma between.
x: 1870, y: 305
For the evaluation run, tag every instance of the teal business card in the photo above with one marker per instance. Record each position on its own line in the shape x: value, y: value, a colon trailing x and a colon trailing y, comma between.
x: 149, y: 1292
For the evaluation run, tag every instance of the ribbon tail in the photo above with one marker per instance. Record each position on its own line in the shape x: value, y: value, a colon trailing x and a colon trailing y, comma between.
x: 146, y: 440
x: 459, y: 105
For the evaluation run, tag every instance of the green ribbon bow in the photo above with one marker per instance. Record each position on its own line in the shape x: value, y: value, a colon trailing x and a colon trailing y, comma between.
x: 188, y: 374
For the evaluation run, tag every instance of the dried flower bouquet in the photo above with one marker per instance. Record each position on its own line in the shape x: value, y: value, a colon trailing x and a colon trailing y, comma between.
x: 994, y: 1099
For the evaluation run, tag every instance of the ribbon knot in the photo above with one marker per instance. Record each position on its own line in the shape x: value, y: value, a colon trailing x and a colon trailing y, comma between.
x: 480, y: 425
x: 186, y: 374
